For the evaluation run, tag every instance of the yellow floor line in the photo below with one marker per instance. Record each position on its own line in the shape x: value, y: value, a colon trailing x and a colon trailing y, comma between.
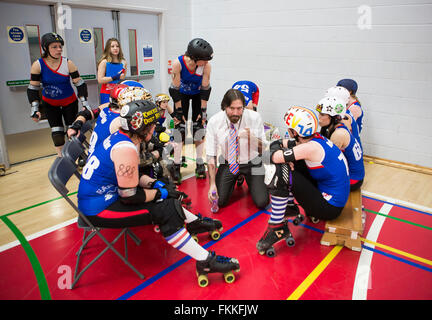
x: 314, y: 274
x: 402, y: 253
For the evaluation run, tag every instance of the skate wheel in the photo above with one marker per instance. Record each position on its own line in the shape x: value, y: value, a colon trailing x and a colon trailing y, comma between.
x: 261, y: 252
x: 290, y: 241
x: 229, y: 277
x: 195, y: 238
x: 203, y: 280
x: 156, y: 229
x: 270, y: 252
x: 215, y: 235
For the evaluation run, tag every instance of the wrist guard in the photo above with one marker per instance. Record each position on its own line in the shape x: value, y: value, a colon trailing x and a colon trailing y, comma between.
x: 77, y: 125
x: 34, y: 109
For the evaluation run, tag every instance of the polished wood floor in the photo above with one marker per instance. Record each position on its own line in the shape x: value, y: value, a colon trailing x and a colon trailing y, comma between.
x: 30, y: 202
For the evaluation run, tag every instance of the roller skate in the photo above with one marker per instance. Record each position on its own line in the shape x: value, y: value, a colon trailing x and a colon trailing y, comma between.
x: 292, y: 210
x: 174, y: 169
x: 214, y: 264
x: 274, y: 234
x: 200, y: 171
x: 240, y: 180
x: 204, y: 224
x: 183, y: 162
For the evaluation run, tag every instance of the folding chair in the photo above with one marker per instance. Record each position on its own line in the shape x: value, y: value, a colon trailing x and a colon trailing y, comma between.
x: 87, y: 126
x: 73, y: 149
x: 59, y: 174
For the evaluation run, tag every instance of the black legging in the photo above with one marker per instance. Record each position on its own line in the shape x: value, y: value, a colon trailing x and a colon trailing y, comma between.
x: 225, y: 182
x: 309, y: 197
x: 56, y: 115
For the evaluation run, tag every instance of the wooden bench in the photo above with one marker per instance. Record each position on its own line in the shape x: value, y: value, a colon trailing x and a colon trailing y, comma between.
x: 348, y: 227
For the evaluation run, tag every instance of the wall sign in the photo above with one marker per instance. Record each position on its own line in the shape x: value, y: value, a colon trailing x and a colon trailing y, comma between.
x: 85, y: 35
x: 16, y: 34
x: 148, y: 53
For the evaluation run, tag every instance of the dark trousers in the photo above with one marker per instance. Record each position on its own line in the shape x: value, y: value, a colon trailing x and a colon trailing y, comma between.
x: 254, y: 176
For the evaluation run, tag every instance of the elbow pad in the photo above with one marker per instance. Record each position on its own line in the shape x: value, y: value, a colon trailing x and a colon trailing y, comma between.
x: 205, y: 93
x: 175, y: 93
x: 82, y: 89
x: 33, y: 93
x: 288, y: 154
x: 131, y: 196
x: 88, y: 114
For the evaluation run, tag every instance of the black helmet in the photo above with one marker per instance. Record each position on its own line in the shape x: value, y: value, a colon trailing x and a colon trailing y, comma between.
x: 199, y: 49
x: 136, y: 116
x: 49, y: 38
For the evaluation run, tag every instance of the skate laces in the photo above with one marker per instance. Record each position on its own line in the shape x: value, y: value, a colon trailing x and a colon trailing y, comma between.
x: 223, y: 259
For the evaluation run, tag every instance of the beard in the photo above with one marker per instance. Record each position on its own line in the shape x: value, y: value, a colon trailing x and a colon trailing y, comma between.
x: 234, y: 119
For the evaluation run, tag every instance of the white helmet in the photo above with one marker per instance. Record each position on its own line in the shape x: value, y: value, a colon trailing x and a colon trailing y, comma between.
x: 339, y: 92
x: 301, y: 120
x: 333, y: 106
x: 130, y: 94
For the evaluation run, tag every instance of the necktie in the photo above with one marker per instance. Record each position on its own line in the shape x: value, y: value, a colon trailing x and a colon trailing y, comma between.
x: 233, y: 150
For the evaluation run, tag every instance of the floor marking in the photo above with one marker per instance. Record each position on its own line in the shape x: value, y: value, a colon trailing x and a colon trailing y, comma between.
x: 399, y: 219
x: 397, y: 202
x: 31, y: 255
x: 361, y: 282
x: 314, y: 274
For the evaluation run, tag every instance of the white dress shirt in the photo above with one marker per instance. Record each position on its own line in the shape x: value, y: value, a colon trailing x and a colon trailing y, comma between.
x: 217, y: 133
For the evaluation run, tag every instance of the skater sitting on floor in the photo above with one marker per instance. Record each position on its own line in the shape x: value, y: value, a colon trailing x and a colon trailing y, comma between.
x: 112, y: 195
x: 239, y: 135
x: 320, y: 183
x: 331, y: 114
x: 354, y: 107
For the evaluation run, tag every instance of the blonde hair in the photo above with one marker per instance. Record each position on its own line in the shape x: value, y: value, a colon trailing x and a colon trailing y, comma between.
x: 107, y: 52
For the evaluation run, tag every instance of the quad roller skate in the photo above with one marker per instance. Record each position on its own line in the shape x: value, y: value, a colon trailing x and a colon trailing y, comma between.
x: 183, y: 162
x: 215, y: 264
x: 292, y: 210
x: 200, y: 171
x: 174, y: 170
x: 274, y: 234
x: 204, y: 224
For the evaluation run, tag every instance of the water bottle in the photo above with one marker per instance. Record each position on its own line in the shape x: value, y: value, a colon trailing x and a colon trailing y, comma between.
x: 214, y: 208
x: 287, y: 136
x: 171, y: 125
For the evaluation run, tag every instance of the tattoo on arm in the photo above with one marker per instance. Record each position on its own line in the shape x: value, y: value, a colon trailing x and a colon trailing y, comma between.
x: 125, y: 171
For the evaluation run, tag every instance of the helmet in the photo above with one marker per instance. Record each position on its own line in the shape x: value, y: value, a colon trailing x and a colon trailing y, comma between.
x: 348, y: 84
x: 161, y: 97
x: 199, y: 49
x: 339, y: 92
x: 132, y: 83
x: 301, y: 120
x: 130, y: 94
x: 333, y: 106
x: 114, y: 93
x: 138, y: 115
x: 49, y: 38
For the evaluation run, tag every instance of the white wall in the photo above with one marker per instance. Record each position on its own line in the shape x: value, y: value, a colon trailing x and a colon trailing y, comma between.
x: 294, y: 51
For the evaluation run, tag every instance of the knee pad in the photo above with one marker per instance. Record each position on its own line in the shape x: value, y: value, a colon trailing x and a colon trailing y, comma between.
x: 276, y: 180
x: 57, y: 134
x: 198, y: 131
x: 173, y: 219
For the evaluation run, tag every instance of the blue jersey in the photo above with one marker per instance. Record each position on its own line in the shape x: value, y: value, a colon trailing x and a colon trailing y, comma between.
x: 190, y: 80
x: 249, y: 90
x: 112, y: 69
x: 354, y: 128
x: 331, y: 174
x: 359, y: 119
x: 57, y: 89
x: 98, y: 185
x: 354, y: 155
x: 102, y: 127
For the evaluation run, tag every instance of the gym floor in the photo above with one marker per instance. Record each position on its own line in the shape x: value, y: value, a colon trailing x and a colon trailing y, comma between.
x: 39, y: 238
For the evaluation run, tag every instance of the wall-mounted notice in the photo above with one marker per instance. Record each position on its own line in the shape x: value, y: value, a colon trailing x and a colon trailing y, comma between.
x: 16, y: 34
x: 148, y: 53
x: 85, y: 35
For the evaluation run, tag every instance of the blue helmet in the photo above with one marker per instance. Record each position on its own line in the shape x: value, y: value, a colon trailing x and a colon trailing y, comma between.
x: 348, y: 84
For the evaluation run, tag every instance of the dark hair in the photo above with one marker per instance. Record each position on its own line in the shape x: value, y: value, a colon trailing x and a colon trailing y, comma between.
x: 230, y: 96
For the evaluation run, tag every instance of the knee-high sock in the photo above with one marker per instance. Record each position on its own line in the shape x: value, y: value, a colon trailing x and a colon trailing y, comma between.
x: 278, y: 205
x: 183, y: 241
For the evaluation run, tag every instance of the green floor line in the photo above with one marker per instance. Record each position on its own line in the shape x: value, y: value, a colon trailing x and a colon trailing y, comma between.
x: 31, y: 255
x: 398, y: 219
x: 36, y: 205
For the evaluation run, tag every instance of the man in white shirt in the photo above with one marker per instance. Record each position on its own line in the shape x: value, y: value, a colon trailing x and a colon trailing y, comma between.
x: 237, y: 135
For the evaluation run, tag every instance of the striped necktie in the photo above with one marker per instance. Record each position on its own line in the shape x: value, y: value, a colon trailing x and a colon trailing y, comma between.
x: 233, y: 150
